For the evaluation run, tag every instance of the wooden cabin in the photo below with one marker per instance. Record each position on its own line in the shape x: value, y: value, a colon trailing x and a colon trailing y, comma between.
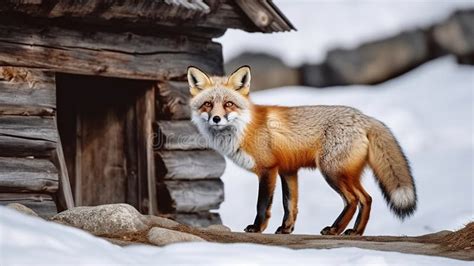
x: 93, y: 102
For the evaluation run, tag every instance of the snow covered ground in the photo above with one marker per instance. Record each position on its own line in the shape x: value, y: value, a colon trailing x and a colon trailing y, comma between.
x: 326, y: 24
x: 32, y: 241
x: 430, y: 111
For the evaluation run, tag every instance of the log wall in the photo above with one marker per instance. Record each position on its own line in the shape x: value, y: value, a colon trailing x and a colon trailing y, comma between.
x: 28, y: 139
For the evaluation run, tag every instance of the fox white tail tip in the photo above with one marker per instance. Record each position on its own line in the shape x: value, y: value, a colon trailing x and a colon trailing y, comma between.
x: 403, y: 201
x: 403, y: 197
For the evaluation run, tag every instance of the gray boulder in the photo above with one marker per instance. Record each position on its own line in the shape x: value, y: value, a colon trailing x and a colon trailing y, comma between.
x: 104, y: 220
x: 160, y: 221
x: 162, y: 236
x: 268, y: 71
x: 456, y: 35
x: 22, y: 208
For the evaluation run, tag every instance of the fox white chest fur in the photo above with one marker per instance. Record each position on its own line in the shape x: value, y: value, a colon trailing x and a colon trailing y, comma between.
x: 227, y: 141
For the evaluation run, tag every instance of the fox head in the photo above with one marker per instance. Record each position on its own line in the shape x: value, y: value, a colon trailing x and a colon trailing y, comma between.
x: 220, y: 104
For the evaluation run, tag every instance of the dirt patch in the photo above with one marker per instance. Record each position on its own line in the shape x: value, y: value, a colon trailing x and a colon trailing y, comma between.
x: 461, y: 239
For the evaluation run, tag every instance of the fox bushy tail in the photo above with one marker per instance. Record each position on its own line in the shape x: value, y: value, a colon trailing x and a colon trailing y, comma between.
x: 392, y: 170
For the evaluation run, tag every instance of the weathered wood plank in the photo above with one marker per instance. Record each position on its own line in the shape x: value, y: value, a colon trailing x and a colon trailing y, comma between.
x: 23, y: 147
x: 124, y: 55
x: 179, y: 135
x: 189, y: 164
x: 173, y: 101
x: 42, y: 204
x: 145, y: 107
x: 26, y: 91
x: 192, y: 196
x: 27, y: 175
x: 65, y: 196
x: 198, y: 219
x: 27, y: 136
x: 31, y: 127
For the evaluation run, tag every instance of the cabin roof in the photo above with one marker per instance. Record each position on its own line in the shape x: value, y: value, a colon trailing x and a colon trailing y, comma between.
x: 248, y: 15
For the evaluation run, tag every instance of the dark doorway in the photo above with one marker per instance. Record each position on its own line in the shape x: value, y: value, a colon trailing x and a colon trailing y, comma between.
x: 105, y: 125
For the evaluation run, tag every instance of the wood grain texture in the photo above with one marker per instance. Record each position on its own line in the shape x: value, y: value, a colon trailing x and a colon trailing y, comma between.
x: 26, y: 91
x: 27, y: 175
x: 173, y: 101
x: 196, y: 164
x: 145, y: 108
x: 65, y: 196
x: 197, y: 15
x: 42, y: 204
x: 179, y: 135
x: 193, y: 196
x: 124, y: 55
x: 27, y: 136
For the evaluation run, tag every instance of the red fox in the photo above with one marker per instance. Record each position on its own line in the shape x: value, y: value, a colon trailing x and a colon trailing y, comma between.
x: 276, y: 140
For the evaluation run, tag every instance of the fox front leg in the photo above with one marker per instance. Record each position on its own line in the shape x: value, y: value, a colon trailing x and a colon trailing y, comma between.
x: 266, y: 187
x: 289, y: 184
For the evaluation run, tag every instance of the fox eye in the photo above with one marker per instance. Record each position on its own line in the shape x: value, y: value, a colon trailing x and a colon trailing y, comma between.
x: 228, y: 104
x: 207, y: 104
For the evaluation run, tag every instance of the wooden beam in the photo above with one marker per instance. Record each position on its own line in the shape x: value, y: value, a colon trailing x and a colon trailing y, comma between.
x: 265, y: 15
x: 192, y: 196
x: 42, y: 204
x: 27, y: 175
x: 202, y: 164
x: 27, y: 136
x: 190, y: 15
x: 147, y: 181
x: 173, y: 101
x: 124, y: 55
x: 179, y: 135
x: 65, y: 196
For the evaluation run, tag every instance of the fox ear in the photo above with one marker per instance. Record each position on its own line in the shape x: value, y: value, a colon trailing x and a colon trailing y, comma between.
x: 240, y: 80
x: 198, y: 80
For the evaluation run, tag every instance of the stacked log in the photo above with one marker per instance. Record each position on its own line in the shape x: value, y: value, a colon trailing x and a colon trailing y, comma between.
x: 28, y: 139
x: 187, y: 171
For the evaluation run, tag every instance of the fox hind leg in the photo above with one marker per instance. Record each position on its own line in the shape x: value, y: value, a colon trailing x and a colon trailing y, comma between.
x: 350, y: 200
x: 365, y: 202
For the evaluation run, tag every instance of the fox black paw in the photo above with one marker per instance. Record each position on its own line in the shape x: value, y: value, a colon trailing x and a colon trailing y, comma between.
x: 252, y: 229
x: 328, y: 230
x: 283, y: 230
x: 351, y: 232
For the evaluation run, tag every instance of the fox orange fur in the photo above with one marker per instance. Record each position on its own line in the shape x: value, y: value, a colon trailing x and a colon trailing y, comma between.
x: 275, y: 140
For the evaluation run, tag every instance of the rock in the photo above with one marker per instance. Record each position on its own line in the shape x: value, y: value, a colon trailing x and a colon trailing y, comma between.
x: 161, y: 221
x: 104, y: 220
x: 268, y: 71
x: 22, y: 208
x: 456, y: 35
x: 198, y: 219
x: 219, y: 228
x: 162, y: 236
x: 378, y: 61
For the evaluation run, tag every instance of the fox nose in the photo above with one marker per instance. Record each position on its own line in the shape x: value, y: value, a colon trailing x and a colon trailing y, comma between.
x: 216, y: 119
